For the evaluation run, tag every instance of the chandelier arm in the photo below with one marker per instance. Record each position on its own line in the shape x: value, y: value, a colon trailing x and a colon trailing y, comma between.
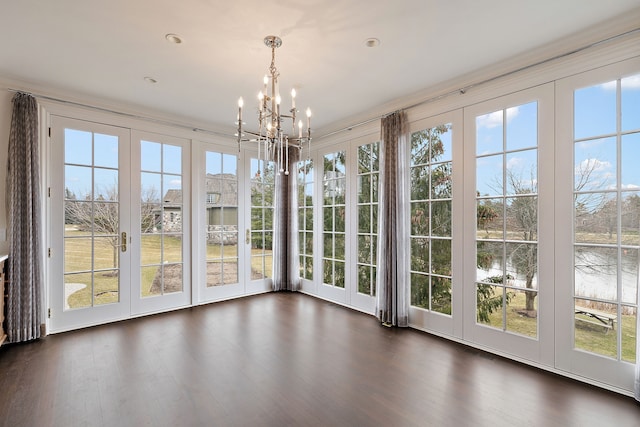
x: 270, y: 120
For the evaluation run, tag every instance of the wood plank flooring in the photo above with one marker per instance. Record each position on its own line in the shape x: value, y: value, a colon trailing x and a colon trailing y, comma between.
x: 282, y: 359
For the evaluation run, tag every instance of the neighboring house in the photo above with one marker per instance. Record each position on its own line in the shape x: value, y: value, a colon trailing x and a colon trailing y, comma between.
x: 221, y: 205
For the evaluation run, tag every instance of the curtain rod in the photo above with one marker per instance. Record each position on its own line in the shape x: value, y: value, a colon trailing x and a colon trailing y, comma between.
x: 461, y: 91
x: 120, y: 113
x: 464, y: 89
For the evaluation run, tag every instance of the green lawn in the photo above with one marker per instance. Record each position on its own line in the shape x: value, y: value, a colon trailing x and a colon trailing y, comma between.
x: 589, y: 337
x: 105, y: 282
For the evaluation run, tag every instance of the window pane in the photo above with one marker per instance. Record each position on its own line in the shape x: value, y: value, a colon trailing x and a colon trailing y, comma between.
x: 595, y: 164
x: 489, y: 133
x: 105, y: 184
x: 490, y: 218
x: 596, y: 272
x: 171, y: 159
x: 78, y: 182
x: 595, y: 111
x: 489, y: 303
x: 630, y: 219
x: 630, y: 103
x: 522, y: 218
x: 106, y: 150
x: 596, y: 218
x: 630, y: 275
x: 78, y: 147
x: 522, y: 126
x: 522, y: 310
x: 522, y: 172
x: 489, y: 175
x: 441, y: 256
x: 630, y: 333
x: 431, y: 174
x: 491, y: 266
x: 441, y: 218
x: 522, y: 265
x: 593, y: 321
x: 630, y: 153
x: 151, y: 187
x: 441, y: 294
x: 150, y: 154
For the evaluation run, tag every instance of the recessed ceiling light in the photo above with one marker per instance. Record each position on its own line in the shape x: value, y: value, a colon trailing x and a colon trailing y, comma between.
x: 150, y: 80
x: 372, y: 42
x: 173, y: 38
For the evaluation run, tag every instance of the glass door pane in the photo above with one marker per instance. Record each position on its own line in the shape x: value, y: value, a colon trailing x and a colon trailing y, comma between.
x: 92, y: 219
x: 161, y: 219
x: 305, y: 217
x: 367, y: 213
x: 507, y: 219
x: 333, y: 213
x: 606, y: 226
x: 89, y: 217
x: 261, y: 232
x: 431, y: 212
x: 221, y: 216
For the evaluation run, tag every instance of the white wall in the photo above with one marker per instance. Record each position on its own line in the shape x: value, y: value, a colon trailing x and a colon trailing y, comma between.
x: 5, y: 125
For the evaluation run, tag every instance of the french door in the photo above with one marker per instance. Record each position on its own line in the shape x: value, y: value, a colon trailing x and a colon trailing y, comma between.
x: 118, y: 211
x: 598, y: 205
x: 508, y: 218
x: 234, y: 222
x: 435, y: 197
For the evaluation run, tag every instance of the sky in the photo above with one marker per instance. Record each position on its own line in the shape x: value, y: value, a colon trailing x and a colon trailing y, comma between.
x: 512, y: 131
x: 595, y: 127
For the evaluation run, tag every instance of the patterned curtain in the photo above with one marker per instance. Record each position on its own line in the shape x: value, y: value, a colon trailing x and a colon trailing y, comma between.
x: 392, y: 283
x: 286, y: 259
x: 23, y: 205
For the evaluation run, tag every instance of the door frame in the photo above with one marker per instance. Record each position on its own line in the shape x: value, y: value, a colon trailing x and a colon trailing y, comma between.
x: 539, y: 349
x: 588, y: 366
x: 59, y: 318
x: 154, y: 304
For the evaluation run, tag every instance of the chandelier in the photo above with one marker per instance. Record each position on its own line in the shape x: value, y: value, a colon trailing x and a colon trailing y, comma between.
x: 272, y: 139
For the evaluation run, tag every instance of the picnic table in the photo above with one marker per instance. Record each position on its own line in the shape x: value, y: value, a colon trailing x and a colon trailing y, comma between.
x: 597, y: 317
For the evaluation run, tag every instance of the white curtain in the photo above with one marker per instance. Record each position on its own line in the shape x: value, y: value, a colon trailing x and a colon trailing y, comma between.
x: 286, y: 259
x: 24, y: 306
x: 392, y: 284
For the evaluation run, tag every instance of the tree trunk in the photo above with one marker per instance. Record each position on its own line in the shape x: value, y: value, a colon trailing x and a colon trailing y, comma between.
x: 530, y: 297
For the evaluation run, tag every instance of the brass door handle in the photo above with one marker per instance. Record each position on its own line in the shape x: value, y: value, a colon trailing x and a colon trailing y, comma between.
x: 123, y: 239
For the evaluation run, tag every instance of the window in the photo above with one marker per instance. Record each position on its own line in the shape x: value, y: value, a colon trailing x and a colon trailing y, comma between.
x: 606, y: 199
x: 507, y: 219
x: 333, y: 211
x: 368, y: 167
x: 431, y: 198
x: 221, y: 186
x: 305, y: 217
x: 161, y: 228
x: 262, y: 196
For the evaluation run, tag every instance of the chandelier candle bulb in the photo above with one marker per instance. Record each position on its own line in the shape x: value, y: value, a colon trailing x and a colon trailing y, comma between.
x: 272, y: 137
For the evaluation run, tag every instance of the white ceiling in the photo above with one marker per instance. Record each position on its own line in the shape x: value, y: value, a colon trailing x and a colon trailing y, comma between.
x: 104, y: 49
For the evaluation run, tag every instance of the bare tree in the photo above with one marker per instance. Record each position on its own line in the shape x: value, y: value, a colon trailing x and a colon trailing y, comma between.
x: 101, y: 216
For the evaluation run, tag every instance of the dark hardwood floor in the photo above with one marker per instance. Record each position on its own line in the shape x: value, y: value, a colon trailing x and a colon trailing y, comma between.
x: 282, y: 359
